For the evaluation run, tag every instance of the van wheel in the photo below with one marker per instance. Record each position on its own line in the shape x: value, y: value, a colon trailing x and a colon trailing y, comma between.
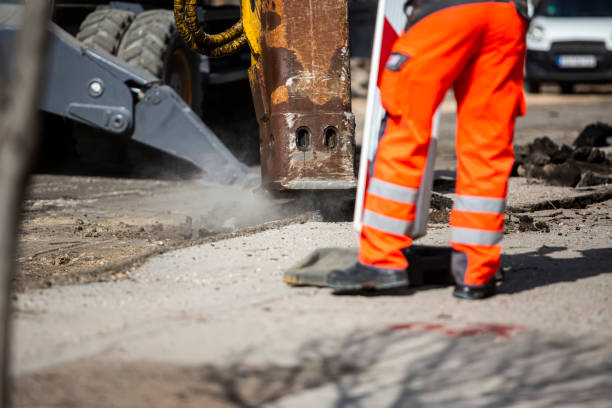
x: 153, y: 44
x: 533, y: 87
x: 567, y: 88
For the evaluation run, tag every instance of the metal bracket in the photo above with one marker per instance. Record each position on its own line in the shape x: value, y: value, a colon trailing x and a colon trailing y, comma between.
x: 110, y: 118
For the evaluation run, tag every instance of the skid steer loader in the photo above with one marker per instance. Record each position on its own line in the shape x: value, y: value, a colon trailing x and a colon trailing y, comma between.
x: 128, y: 69
x: 122, y: 94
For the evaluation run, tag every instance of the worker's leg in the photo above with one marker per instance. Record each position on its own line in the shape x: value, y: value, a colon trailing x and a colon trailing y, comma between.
x: 424, y: 63
x: 489, y: 96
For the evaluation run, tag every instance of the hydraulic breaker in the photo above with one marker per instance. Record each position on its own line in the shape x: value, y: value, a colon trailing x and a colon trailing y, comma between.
x: 300, y: 81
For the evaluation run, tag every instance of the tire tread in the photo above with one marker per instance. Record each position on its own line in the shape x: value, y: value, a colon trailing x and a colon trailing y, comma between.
x: 146, y: 40
x: 103, y: 29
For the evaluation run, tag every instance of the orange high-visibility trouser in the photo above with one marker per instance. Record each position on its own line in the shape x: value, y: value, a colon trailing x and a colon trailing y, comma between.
x: 478, y: 49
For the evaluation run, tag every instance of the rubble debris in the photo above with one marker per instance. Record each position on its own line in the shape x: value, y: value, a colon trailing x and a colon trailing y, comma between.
x: 575, y: 202
x: 544, y: 145
x: 596, y: 156
x: 203, y: 232
x: 595, y: 134
x: 561, y: 155
x: 439, y: 216
x: 589, y: 179
x: 440, y: 202
x: 523, y: 223
x: 564, y: 174
x: 526, y: 223
x: 563, y: 165
x: 439, y: 212
x: 61, y: 260
x: 92, y: 232
x: 157, y: 227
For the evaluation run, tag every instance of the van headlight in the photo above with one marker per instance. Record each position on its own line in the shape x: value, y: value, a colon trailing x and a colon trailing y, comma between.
x: 536, y: 33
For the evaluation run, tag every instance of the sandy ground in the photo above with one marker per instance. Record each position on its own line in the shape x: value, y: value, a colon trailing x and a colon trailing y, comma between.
x: 191, y: 310
x: 79, y: 229
x: 214, y: 324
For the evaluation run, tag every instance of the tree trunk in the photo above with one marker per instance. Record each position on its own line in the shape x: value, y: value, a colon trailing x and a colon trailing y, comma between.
x: 18, y: 143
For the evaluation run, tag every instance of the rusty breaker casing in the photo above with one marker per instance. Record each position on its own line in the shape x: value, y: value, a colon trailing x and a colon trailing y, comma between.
x: 300, y: 80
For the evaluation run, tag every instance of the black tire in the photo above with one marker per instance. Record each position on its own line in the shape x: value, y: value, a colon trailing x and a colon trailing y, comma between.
x: 153, y: 44
x: 533, y: 87
x: 103, y: 29
x: 567, y: 88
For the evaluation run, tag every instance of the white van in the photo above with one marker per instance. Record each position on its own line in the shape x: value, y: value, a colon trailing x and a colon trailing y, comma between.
x: 568, y: 42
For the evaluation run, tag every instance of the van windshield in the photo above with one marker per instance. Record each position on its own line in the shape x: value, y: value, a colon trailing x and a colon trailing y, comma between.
x: 575, y: 8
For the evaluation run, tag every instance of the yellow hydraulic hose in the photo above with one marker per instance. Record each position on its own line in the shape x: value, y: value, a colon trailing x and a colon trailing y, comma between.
x: 204, y: 39
x: 213, y: 45
x: 181, y: 26
x: 229, y: 48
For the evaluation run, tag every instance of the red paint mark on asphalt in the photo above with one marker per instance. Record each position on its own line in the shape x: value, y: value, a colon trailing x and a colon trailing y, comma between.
x: 474, y: 329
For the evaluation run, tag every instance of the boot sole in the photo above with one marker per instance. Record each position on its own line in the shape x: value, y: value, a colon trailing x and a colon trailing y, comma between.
x: 484, y: 294
x: 370, y: 286
x: 293, y: 280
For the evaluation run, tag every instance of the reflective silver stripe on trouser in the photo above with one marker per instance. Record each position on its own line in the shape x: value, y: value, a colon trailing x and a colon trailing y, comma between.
x: 392, y: 191
x: 479, y: 204
x: 386, y: 224
x: 472, y: 236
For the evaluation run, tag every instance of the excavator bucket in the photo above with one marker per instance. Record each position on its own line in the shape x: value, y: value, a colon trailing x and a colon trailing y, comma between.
x: 102, y: 91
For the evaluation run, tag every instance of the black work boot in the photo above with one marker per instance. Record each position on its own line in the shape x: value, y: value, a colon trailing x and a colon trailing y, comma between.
x: 359, y: 277
x: 470, y: 292
x: 429, y: 265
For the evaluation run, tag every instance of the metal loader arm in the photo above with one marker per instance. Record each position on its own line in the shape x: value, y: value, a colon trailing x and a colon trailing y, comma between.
x: 102, y: 91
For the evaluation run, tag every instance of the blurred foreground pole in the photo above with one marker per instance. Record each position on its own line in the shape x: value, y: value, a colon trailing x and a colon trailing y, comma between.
x: 18, y: 142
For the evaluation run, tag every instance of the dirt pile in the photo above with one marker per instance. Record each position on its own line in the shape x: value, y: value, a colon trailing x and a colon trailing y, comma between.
x: 582, y: 165
x: 522, y: 223
x: 80, y: 229
x: 594, y: 135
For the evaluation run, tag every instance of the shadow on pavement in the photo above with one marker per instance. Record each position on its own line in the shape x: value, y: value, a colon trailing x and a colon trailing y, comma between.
x: 526, y: 271
x: 533, y: 269
x: 387, y: 368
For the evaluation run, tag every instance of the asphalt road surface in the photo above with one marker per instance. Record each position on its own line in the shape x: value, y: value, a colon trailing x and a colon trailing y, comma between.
x: 195, y: 313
